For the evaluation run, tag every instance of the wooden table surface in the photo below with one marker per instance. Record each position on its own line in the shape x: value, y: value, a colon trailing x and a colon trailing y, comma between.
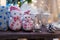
x: 32, y: 35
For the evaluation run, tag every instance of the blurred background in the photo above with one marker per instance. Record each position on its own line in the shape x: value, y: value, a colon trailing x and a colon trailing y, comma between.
x: 50, y: 6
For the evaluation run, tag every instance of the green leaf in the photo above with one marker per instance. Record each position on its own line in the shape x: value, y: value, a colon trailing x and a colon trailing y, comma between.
x: 21, y: 3
x: 29, y: 1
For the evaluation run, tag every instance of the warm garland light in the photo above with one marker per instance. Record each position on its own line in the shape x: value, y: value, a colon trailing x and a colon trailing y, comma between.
x: 32, y: 4
x: 42, y: 2
x: 49, y: 21
x: 19, y: 3
x: 34, y: 1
